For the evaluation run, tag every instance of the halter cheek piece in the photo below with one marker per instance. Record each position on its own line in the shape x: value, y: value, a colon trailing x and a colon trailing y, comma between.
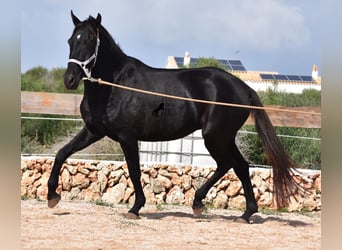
x: 83, y: 64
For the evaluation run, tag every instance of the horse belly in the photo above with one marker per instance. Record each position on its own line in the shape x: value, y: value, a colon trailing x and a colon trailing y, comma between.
x: 169, y: 125
x: 167, y: 134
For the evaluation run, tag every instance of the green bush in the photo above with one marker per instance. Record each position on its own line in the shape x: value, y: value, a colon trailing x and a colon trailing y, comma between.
x: 208, y: 62
x: 38, y: 134
x: 308, y: 98
x: 41, y: 79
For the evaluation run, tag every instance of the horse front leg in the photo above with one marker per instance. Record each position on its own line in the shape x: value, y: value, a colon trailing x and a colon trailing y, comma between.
x: 83, y: 139
x: 130, y: 149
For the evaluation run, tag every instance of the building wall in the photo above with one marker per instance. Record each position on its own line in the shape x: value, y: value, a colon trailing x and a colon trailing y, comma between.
x: 282, y: 87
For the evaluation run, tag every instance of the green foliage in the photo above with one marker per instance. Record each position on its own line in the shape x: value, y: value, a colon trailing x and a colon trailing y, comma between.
x: 159, y: 207
x: 31, y: 80
x: 38, y: 134
x: 309, y: 97
x: 305, y: 152
x: 101, y: 202
x: 41, y: 79
x: 208, y: 62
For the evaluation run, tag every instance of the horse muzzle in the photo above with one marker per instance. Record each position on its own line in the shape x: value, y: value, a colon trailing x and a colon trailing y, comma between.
x: 72, y: 79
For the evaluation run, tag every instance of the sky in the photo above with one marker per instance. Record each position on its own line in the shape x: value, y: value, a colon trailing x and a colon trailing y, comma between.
x: 266, y: 35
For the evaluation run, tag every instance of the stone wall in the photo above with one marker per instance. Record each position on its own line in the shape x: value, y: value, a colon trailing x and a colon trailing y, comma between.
x: 162, y: 183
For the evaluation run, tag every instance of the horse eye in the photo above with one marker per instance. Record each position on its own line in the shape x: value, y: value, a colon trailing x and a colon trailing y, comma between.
x: 78, y: 36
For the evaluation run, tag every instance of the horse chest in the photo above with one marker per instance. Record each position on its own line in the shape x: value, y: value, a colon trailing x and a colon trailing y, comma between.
x: 92, y: 114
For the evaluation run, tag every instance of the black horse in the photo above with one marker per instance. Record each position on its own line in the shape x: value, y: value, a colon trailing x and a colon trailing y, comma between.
x: 128, y: 117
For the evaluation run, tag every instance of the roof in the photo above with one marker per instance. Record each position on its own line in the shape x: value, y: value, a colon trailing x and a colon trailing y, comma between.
x: 236, y: 68
x: 260, y: 76
x: 226, y: 63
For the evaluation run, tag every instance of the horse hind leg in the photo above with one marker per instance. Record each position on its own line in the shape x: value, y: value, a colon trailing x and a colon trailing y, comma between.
x: 241, y: 169
x: 226, y: 156
x: 222, y: 155
x: 198, y: 206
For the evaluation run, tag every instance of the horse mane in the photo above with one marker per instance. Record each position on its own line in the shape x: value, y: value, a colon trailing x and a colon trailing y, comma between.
x: 106, y: 37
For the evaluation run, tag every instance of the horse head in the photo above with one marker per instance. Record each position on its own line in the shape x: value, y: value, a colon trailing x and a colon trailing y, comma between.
x: 84, y: 44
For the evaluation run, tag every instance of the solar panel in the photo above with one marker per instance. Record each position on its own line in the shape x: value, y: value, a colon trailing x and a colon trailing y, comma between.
x: 280, y: 77
x: 306, y: 78
x: 235, y: 62
x: 179, y: 61
x: 293, y: 78
x: 223, y: 61
x: 238, y: 68
x: 286, y: 77
x: 236, y: 65
x: 266, y: 76
x: 228, y: 64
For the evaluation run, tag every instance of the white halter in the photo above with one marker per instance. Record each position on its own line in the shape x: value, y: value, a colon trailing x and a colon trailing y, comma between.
x: 83, y: 64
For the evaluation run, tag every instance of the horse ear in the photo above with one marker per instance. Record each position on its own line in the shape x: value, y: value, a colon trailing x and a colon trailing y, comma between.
x: 98, y: 19
x: 75, y: 20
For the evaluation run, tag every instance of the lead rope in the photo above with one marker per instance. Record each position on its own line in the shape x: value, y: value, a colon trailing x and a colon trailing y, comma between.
x: 100, y: 81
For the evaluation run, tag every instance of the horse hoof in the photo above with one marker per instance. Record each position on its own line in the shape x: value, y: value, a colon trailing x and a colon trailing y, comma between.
x: 53, y: 202
x: 132, y: 216
x: 198, y: 211
x: 242, y: 220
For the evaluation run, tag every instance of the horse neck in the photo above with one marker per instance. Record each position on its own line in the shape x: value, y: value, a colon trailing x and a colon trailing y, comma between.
x: 94, y: 90
x: 110, y: 62
x: 111, y: 58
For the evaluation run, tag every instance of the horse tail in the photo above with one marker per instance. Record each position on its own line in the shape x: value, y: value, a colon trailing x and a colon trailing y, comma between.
x: 284, y: 186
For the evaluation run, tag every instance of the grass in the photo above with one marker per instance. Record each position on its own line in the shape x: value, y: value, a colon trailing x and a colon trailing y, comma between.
x: 268, y: 211
x: 304, y: 211
x: 24, y: 198
x: 103, y: 203
x: 160, y: 207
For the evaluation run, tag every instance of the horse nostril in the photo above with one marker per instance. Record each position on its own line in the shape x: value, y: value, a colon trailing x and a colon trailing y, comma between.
x: 70, y: 79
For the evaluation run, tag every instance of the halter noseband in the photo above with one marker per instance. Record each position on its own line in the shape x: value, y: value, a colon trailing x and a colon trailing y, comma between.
x: 83, y: 64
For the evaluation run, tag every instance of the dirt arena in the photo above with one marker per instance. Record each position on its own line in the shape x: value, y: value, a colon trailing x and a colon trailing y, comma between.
x: 84, y: 225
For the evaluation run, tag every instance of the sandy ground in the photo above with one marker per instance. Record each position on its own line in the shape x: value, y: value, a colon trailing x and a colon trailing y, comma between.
x: 84, y: 225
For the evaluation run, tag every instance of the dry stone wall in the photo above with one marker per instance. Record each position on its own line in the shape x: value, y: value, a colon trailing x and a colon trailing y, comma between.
x: 162, y: 183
